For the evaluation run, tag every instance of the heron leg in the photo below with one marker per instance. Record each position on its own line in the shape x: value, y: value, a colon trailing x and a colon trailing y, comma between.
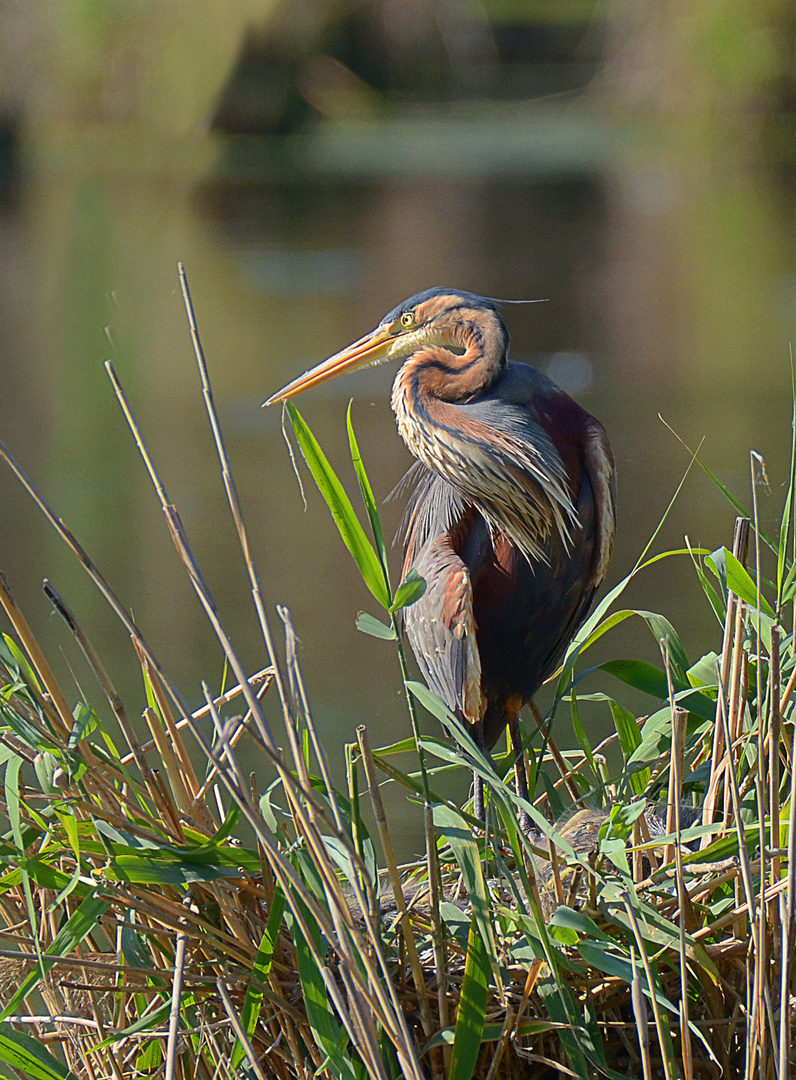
x: 520, y: 775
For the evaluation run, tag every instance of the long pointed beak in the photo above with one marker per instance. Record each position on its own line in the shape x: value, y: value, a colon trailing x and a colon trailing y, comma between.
x: 373, y: 346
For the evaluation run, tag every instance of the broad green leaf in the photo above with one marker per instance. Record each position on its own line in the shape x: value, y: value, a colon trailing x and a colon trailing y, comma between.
x: 615, y: 850
x: 368, y: 498
x: 629, y: 740
x: 17, y: 663
x: 409, y: 591
x: 465, y: 850
x: 703, y: 672
x: 403, y: 746
x: 662, y: 630
x: 652, y: 680
x: 576, y: 920
x: 252, y: 1003
x: 639, y: 674
x: 456, y: 921
x: 734, y: 575
x: 580, y: 733
x: 472, y: 1008
x: 341, y: 509
x: 14, y: 816
x: 330, y: 1038
x: 789, y: 585
x: 368, y: 624
x: 85, y: 722
x: 145, y: 871
x: 133, y: 951
x: 561, y: 1005
x: 20, y: 1051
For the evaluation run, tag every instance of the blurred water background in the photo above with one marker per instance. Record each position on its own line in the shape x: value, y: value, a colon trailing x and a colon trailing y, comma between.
x: 314, y: 163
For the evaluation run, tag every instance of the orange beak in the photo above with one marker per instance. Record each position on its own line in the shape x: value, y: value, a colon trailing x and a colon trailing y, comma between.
x: 372, y: 347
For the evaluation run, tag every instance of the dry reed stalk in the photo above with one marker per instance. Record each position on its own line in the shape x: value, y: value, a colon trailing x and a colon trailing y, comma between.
x: 176, y: 1002
x: 102, y: 677
x: 788, y: 920
x: 57, y: 709
x: 182, y: 800
x: 186, y: 769
x: 237, y: 1027
x: 395, y: 880
x: 652, y: 858
x: 231, y: 489
x: 686, y: 913
x: 637, y: 855
x: 656, y: 1012
x: 338, y: 903
x: 740, y: 544
x: 167, y: 805
x: 761, y: 986
x: 736, y: 706
x: 640, y: 1012
x: 773, y: 740
x: 555, y: 875
x: 261, y: 678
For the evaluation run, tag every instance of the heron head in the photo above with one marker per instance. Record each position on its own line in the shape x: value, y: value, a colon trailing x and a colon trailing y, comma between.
x: 436, y: 317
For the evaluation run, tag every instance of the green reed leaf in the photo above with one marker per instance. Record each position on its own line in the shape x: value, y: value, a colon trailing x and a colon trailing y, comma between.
x: 341, y: 509
x: 472, y: 1007
x: 409, y: 591
x: 20, y: 1051
x: 368, y: 624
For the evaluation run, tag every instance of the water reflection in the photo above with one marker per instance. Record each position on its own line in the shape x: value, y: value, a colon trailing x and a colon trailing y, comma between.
x: 669, y: 279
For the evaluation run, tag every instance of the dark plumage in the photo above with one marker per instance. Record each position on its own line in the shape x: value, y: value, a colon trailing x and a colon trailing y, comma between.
x: 511, y: 519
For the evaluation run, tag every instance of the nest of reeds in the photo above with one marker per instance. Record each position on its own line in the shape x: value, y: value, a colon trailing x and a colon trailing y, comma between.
x: 643, y: 926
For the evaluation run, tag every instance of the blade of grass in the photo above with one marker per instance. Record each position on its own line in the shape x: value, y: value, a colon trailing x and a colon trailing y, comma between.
x: 734, y: 503
x: 20, y: 1051
x: 342, y: 511
x: 471, y: 1016
x: 368, y: 499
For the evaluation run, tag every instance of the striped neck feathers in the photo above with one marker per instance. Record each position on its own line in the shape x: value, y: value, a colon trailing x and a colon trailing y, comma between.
x: 519, y: 484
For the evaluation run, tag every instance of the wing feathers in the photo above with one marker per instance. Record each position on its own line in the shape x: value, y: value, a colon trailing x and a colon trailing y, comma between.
x: 441, y: 629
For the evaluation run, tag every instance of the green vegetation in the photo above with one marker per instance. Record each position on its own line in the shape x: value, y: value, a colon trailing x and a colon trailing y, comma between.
x: 159, y: 915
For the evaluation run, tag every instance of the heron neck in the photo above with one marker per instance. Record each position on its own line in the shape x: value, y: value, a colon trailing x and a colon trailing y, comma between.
x: 460, y: 358
x: 430, y: 422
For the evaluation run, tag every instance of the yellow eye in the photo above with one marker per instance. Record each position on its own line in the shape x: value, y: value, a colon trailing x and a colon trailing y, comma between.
x: 407, y: 319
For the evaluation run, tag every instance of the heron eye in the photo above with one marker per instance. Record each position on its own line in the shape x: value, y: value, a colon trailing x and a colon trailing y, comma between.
x: 407, y: 319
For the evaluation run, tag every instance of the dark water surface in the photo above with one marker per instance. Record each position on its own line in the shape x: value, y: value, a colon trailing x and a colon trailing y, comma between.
x: 669, y: 271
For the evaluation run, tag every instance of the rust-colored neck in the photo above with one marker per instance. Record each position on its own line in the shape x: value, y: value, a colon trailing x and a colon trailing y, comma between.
x: 466, y: 352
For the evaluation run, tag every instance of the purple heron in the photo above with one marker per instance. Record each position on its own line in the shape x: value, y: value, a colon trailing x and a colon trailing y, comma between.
x: 511, y: 520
